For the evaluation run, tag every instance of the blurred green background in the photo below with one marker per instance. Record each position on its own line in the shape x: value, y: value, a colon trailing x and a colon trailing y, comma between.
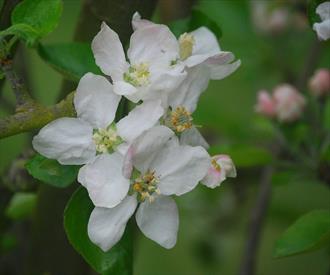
x: 213, y: 223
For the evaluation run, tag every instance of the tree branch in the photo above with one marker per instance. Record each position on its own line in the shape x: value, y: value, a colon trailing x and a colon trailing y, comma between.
x: 258, y: 215
x: 34, y: 116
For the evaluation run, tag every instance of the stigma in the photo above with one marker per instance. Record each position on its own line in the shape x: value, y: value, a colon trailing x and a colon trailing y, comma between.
x: 138, y: 75
x: 106, y: 139
x: 186, y: 44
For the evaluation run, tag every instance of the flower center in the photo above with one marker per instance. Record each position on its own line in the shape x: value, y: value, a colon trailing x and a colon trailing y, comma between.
x: 145, y: 186
x: 138, y: 75
x: 106, y: 139
x: 186, y: 44
x: 180, y: 119
x: 215, y: 165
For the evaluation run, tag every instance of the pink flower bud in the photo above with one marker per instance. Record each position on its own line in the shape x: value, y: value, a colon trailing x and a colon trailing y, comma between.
x: 319, y: 84
x: 289, y: 103
x: 265, y: 104
x: 221, y: 167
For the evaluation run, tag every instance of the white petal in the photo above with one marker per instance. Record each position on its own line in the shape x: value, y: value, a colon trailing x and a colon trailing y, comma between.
x: 159, y: 221
x: 140, y: 119
x: 193, y: 137
x: 180, y: 167
x: 138, y: 23
x: 323, y: 10
x: 123, y: 88
x: 221, y: 71
x: 68, y: 140
x: 322, y: 29
x: 106, y: 226
x: 206, y: 42
x: 152, y: 44
x: 103, y: 179
x: 95, y: 100
x: 146, y: 146
x: 189, y: 91
x: 108, y: 53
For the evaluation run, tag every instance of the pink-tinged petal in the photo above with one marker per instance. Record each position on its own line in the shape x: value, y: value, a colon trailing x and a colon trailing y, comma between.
x: 140, y: 119
x: 104, y: 181
x: 265, y: 104
x: 159, y: 220
x: 179, y: 167
x: 95, y: 101
x: 289, y: 103
x: 68, y: 140
x: 109, y: 53
x: 206, y: 42
x: 221, y: 167
x: 106, y: 226
x: 319, y: 84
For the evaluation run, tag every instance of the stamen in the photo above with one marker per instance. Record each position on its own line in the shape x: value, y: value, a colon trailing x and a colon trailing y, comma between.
x: 180, y: 119
x: 215, y: 165
x: 146, y: 187
x: 186, y: 44
x: 106, y: 139
x: 138, y: 75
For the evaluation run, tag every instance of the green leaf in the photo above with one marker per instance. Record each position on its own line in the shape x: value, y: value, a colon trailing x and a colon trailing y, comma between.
x: 33, y: 19
x: 72, y: 60
x: 21, y: 205
x: 244, y: 155
x: 311, y: 10
x: 309, y: 232
x: 51, y: 172
x: 8, y: 242
x: 76, y: 215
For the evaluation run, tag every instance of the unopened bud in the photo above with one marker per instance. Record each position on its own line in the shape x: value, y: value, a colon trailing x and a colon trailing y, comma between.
x: 319, y: 84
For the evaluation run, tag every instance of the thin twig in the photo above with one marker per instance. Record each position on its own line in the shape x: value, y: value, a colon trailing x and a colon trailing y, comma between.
x: 257, y: 218
x: 20, y: 91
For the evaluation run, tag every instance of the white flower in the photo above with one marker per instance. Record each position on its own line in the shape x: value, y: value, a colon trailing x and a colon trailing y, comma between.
x: 203, y: 59
x: 149, y: 73
x: 221, y: 167
x: 323, y: 29
x: 79, y: 140
x: 162, y: 168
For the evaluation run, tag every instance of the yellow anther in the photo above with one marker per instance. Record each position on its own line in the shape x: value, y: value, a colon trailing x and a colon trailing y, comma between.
x: 138, y: 75
x: 186, y: 44
x: 105, y: 139
x: 215, y: 165
x: 180, y: 119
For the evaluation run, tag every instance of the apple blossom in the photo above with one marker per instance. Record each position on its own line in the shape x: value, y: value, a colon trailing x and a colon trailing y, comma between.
x: 79, y: 140
x: 265, y: 104
x: 323, y: 29
x: 289, y: 103
x: 319, y: 84
x: 148, y: 74
x: 221, y: 167
x: 162, y: 167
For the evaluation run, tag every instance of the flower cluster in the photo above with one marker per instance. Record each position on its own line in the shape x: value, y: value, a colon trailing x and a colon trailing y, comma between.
x: 285, y: 104
x: 153, y: 153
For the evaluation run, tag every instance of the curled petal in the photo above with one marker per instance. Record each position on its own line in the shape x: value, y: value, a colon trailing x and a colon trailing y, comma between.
x: 106, y: 226
x: 323, y: 10
x: 138, y: 22
x: 159, y: 220
x: 322, y: 29
x: 68, y: 140
x: 221, y: 167
x: 193, y: 137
